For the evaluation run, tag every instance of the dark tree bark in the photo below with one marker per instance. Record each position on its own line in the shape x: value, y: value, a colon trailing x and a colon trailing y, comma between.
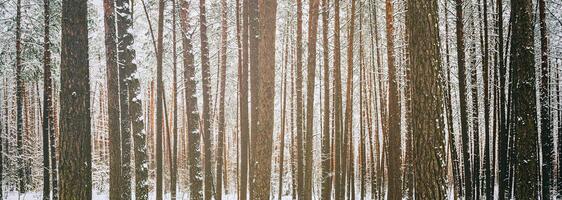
x: 113, y: 99
x: 488, y: 183
x: 206, y: 90
x: 124, y: 57
x: 47, y: 104
x: 463, y: 94
x: 193, y: 133
x: 503, y: 135
x: 311, y: 79
x: 20, y: 88
x: 75, y: 138
x: 523, y: 117
x: 546, y: 123
x: 261, y: 146
x: 427, y: 99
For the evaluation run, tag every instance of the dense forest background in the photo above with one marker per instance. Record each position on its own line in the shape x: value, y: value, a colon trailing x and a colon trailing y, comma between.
x: 268, y: 99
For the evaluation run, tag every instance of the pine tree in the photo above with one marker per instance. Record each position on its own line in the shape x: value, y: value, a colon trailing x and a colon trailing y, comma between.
x: 221, y: 125
x: 243, y: 101
x: 47, y: 103
x: 325, y: 156
x: 193, y: 131
x: 338, y: 121
x: 523, y: 119
x: 394, y: 136
x: 75, y: 138
x: 19, y: 100
x: 427, y: 99
x: 299, y: 110
x: 261, y: 147
x: 546, y: 123
x: 159, y: 101
x: 206, y: 83
x: 124, y: 57
x: 311, y: 79
x: 463, y: 94
x: 113, y: 99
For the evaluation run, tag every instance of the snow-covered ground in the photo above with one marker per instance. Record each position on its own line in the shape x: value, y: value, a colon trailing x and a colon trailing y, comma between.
x: 104, y: 196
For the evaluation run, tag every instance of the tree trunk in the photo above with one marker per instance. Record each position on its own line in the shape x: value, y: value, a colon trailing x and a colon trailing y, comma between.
x: 427, y: 99
x: 47, y: 104
x: 299, y: 110
x: 113, y: 99
x: 194, y: 135
x: 326, y: 191
x: 311, y: 79
x: 347, y: 155
x: 206, y: 90
x: 243, y: 101
x: 222, y: 88
x: 338, y: 129
x: 19, y: 100
x: 125, y: 58
x: 76, y: 157
x: 546, y: 123
x: 393, y: 120
x: 159, y: 100
x: 262, y: 136
x: 523, y: 107
x: 503, y: 136
x: 488, y: 184
x: 174, y: 160
x: 463, y: 93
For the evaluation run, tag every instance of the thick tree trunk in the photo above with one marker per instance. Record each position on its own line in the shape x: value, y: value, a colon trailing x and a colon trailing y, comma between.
x: 125, y: 58
x: 113, y: 99
x: 311, y: 79
x: 75, y: 138
x: 427, y: 99
x: 262, y: 136
x: 523, y: 107
x: 393, y: 120
x: 193, y: 131
x: 206, y: 90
